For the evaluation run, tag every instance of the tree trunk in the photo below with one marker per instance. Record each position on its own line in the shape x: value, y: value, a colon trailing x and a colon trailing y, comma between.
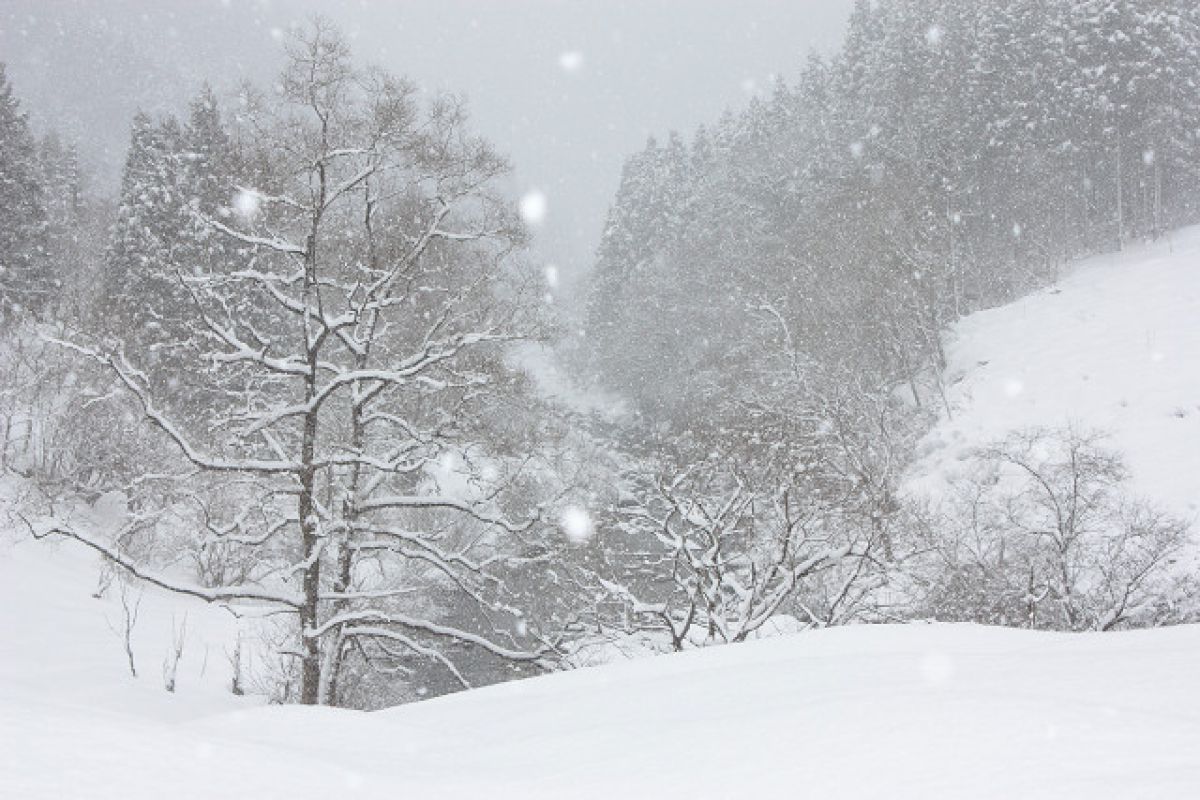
x: 310, y: 660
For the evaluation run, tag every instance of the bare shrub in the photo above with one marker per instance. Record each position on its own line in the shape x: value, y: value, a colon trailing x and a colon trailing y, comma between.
x: 131, y: 603
x: 1043, y: 533
x: 175, y: 653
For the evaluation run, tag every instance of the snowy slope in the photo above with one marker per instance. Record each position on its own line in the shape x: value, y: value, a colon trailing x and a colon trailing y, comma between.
x: 59, y: 639
x: 872, y: 712
x: 1115, y: 346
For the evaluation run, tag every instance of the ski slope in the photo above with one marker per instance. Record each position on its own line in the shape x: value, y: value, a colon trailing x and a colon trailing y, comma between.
x: 1114, y: 346
x: 923, y: 711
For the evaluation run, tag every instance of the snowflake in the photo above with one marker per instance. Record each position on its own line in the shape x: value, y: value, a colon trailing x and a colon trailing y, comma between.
x: 533, y: 207
x: 576, y: 524
x: 933, y: 36
x: 246, y: 203
x: 552, y: 276
x: 571, y: 61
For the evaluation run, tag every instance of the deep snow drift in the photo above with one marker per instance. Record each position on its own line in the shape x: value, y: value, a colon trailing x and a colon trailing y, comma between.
x: 1114, y: 346
x: 888, y: 712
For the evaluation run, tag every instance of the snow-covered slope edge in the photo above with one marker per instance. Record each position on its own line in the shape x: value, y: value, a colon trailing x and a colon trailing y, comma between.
x: 1114, y: 346
x: 922, y: 711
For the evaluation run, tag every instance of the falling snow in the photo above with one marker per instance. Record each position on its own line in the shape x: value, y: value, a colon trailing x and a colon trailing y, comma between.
x: 532, y: 207
x: 576, y: 524
x: 571, y: 61
x: 246, y: 203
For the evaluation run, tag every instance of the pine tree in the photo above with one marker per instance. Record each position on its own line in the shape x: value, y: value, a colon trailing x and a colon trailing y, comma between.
x: 67, y: 238
x: 147, y: 308
x: 24, y: 280
x: 631, y: 273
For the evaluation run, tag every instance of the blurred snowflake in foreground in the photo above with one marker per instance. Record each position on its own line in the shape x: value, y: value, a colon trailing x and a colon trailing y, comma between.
x: 246, y: 203
x: 533, y: 207
x: 571, y: 61
x: 577, y: 524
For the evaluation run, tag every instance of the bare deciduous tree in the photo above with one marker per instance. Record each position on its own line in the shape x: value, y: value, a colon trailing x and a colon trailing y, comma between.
x: 346, y: 362
x: 1043, y: 533
x: 736, y: 548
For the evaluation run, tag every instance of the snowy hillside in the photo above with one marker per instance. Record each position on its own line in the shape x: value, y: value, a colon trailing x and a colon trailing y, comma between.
x: 63, y: 641
x: 1114, y: 346
x: 923, y: 711
x: 868, y: 712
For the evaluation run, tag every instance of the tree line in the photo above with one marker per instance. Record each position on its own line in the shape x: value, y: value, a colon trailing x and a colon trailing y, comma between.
x: 949, y: 157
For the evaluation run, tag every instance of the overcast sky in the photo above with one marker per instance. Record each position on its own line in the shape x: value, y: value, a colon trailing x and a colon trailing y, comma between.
x: 568, y: 88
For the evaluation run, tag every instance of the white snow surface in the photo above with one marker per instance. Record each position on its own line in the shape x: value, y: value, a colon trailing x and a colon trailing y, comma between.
x: 1113, y: 346
x: 923, y: 711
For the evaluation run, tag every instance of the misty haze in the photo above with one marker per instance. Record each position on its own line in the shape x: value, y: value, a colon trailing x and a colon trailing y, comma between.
x: 588, y: 398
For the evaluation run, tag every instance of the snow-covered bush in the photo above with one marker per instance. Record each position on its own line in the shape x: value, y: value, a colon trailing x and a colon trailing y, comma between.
x: 1042, y: 532
x: 729, y: 546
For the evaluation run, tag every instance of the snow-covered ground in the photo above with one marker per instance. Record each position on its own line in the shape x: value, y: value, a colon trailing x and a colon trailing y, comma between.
x: 1114, y: 346
x: 872, y: 712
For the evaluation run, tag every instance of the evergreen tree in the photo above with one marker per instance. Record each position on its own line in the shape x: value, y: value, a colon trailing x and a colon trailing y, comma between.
x: 24, y: 280
x: 68, y: 252
x: 139, y: 253
x: 176, y: 178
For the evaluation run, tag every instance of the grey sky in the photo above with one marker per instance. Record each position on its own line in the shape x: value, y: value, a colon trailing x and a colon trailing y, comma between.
x: 568, y: 88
